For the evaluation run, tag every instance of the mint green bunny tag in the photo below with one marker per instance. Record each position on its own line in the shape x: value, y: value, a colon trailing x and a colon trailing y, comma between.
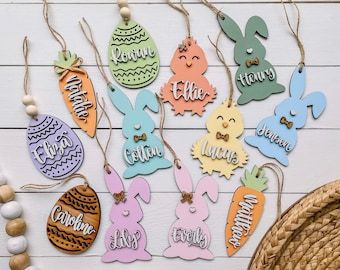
x: 255, y: 78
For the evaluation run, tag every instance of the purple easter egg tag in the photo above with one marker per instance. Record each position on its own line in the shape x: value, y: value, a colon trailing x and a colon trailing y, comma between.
x: 55, y: 149
x: 125, y: 239
x: 189, y: 236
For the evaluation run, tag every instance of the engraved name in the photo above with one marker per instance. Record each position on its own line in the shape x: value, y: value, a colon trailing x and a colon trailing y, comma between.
x: 192, y: 238
x: 141, y: 153
x: 189, y: 91
x: 46, y: 150
x: 247, y: 79
x: 76, y: 222
x: 219, y: 152
x: 243, y: 219
x: 117, y: 56
x: 274, y: 138
x: 77, y: 96
x: 123, y: 239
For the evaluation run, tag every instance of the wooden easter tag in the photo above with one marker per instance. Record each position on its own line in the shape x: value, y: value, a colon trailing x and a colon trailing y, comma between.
x: 276, y: 136
x: 74, y: 221
x: 125, y: 240
x: 221, y: 150
x: 77, y: 90
x: 189, y: 236
x: 55, y: 149
x: 133, y: 55
x: 188, y: 89
x: 245, y: 210
x: 255, y: 78
x: 143, y: 152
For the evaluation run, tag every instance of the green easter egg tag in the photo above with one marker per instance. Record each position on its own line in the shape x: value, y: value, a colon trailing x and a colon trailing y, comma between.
x: 133, y: 56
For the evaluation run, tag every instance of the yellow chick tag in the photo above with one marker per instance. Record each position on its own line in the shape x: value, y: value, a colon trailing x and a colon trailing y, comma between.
x: 220, y: 150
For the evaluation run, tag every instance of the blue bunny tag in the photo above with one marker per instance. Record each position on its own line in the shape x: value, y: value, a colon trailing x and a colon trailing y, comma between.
x: 143, y: 152
x: 276, y: 136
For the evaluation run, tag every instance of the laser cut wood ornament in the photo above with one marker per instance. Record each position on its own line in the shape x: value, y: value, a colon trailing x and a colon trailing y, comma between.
x: 188, y: 90
x: 74, y: 83
x: 133, y: 55
x: 54, y: 148
x: 220, y: 150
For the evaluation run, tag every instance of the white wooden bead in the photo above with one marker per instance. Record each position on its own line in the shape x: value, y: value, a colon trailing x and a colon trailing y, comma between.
x: 32, y: 110
x: 125, y: 13
x: 11, y: 210
x: 31, y: 268
x: 17, y: 245
x: 3, y: 179
x: 28, y: 100
x: 122, y: 3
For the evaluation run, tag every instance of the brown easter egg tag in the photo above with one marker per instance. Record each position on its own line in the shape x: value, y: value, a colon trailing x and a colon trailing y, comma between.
x: 220, y: 150
x: 74, y: 221
x: 188, y: 89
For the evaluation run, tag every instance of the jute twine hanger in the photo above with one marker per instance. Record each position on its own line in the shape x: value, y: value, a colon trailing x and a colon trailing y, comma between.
x: 184, y: 11
x: 177, y: 161
x: 221, y: 58
x: 104, y: 149
x: 58, y: 37
x: 87, y: 31
x: 213, y: 8
x: 296, y: 32
x: 280, y: 181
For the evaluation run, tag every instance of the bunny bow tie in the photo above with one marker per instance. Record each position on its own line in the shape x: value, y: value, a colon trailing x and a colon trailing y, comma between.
x: 119, y: 197
x: 284, y: 121
x: 138, y: 138
x: 220, y: 136
x: 251, y: 62
x: 186, y: 197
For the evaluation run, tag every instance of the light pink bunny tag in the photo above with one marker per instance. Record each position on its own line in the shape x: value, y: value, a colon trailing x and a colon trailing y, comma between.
x: 125, y: 240
x: 189, y: 235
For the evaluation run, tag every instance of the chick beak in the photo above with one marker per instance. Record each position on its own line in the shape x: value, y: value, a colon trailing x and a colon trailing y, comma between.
x: 225, y: 124
x: 189, y: 64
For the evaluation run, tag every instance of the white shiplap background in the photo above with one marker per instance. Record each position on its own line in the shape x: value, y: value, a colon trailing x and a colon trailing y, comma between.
x: 313, y: 163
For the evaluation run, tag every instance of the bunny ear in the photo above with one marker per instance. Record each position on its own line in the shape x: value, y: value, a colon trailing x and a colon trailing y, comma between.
x: 113, y: 181
x: 229, y: 27
x: 119, y: 99
x: 208, y: 185
x: 317, y: 101
x: 140, y: 186
x: 298, y: 83
x: 256, y: 25
x: 183, y: 179
x: 145, y: 98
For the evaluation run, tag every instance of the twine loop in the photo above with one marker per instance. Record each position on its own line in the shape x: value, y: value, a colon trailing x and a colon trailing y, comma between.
x: 185, y: 12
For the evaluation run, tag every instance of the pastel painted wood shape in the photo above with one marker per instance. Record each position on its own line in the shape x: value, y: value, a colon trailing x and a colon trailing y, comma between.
x: 189, y: 236
x: 54, y: 147
x: 74, y: 221
x: 188, y: 89
x: 276, y: 136
x: 220, y: 150
x: 125, y: 239
x: 133, y: 55
x: 245, y: 210
x: 255, y: 78
x: 77, y: 90
x: 143, y: 152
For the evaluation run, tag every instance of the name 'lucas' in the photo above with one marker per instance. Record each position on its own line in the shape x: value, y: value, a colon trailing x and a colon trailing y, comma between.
x: 219, y: 152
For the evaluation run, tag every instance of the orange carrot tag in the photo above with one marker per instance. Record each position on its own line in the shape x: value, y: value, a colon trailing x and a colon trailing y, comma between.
x: 188, y: 89
x: 245, y: 210
x: 77, y: 90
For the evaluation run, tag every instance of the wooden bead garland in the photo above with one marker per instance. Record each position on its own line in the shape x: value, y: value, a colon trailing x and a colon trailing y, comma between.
x: 16, y: 226
x: 124, y: 9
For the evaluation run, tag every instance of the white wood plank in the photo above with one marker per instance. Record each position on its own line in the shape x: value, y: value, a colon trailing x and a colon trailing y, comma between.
x: 158, y: 217
x: 317, y: 149
x: 281, y: 49
x: 57, y: 263
x: 44, y: 86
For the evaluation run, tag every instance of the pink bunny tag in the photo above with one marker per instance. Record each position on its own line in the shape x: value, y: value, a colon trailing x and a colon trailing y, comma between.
x: 189, y: 236
x: 125, y: 240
